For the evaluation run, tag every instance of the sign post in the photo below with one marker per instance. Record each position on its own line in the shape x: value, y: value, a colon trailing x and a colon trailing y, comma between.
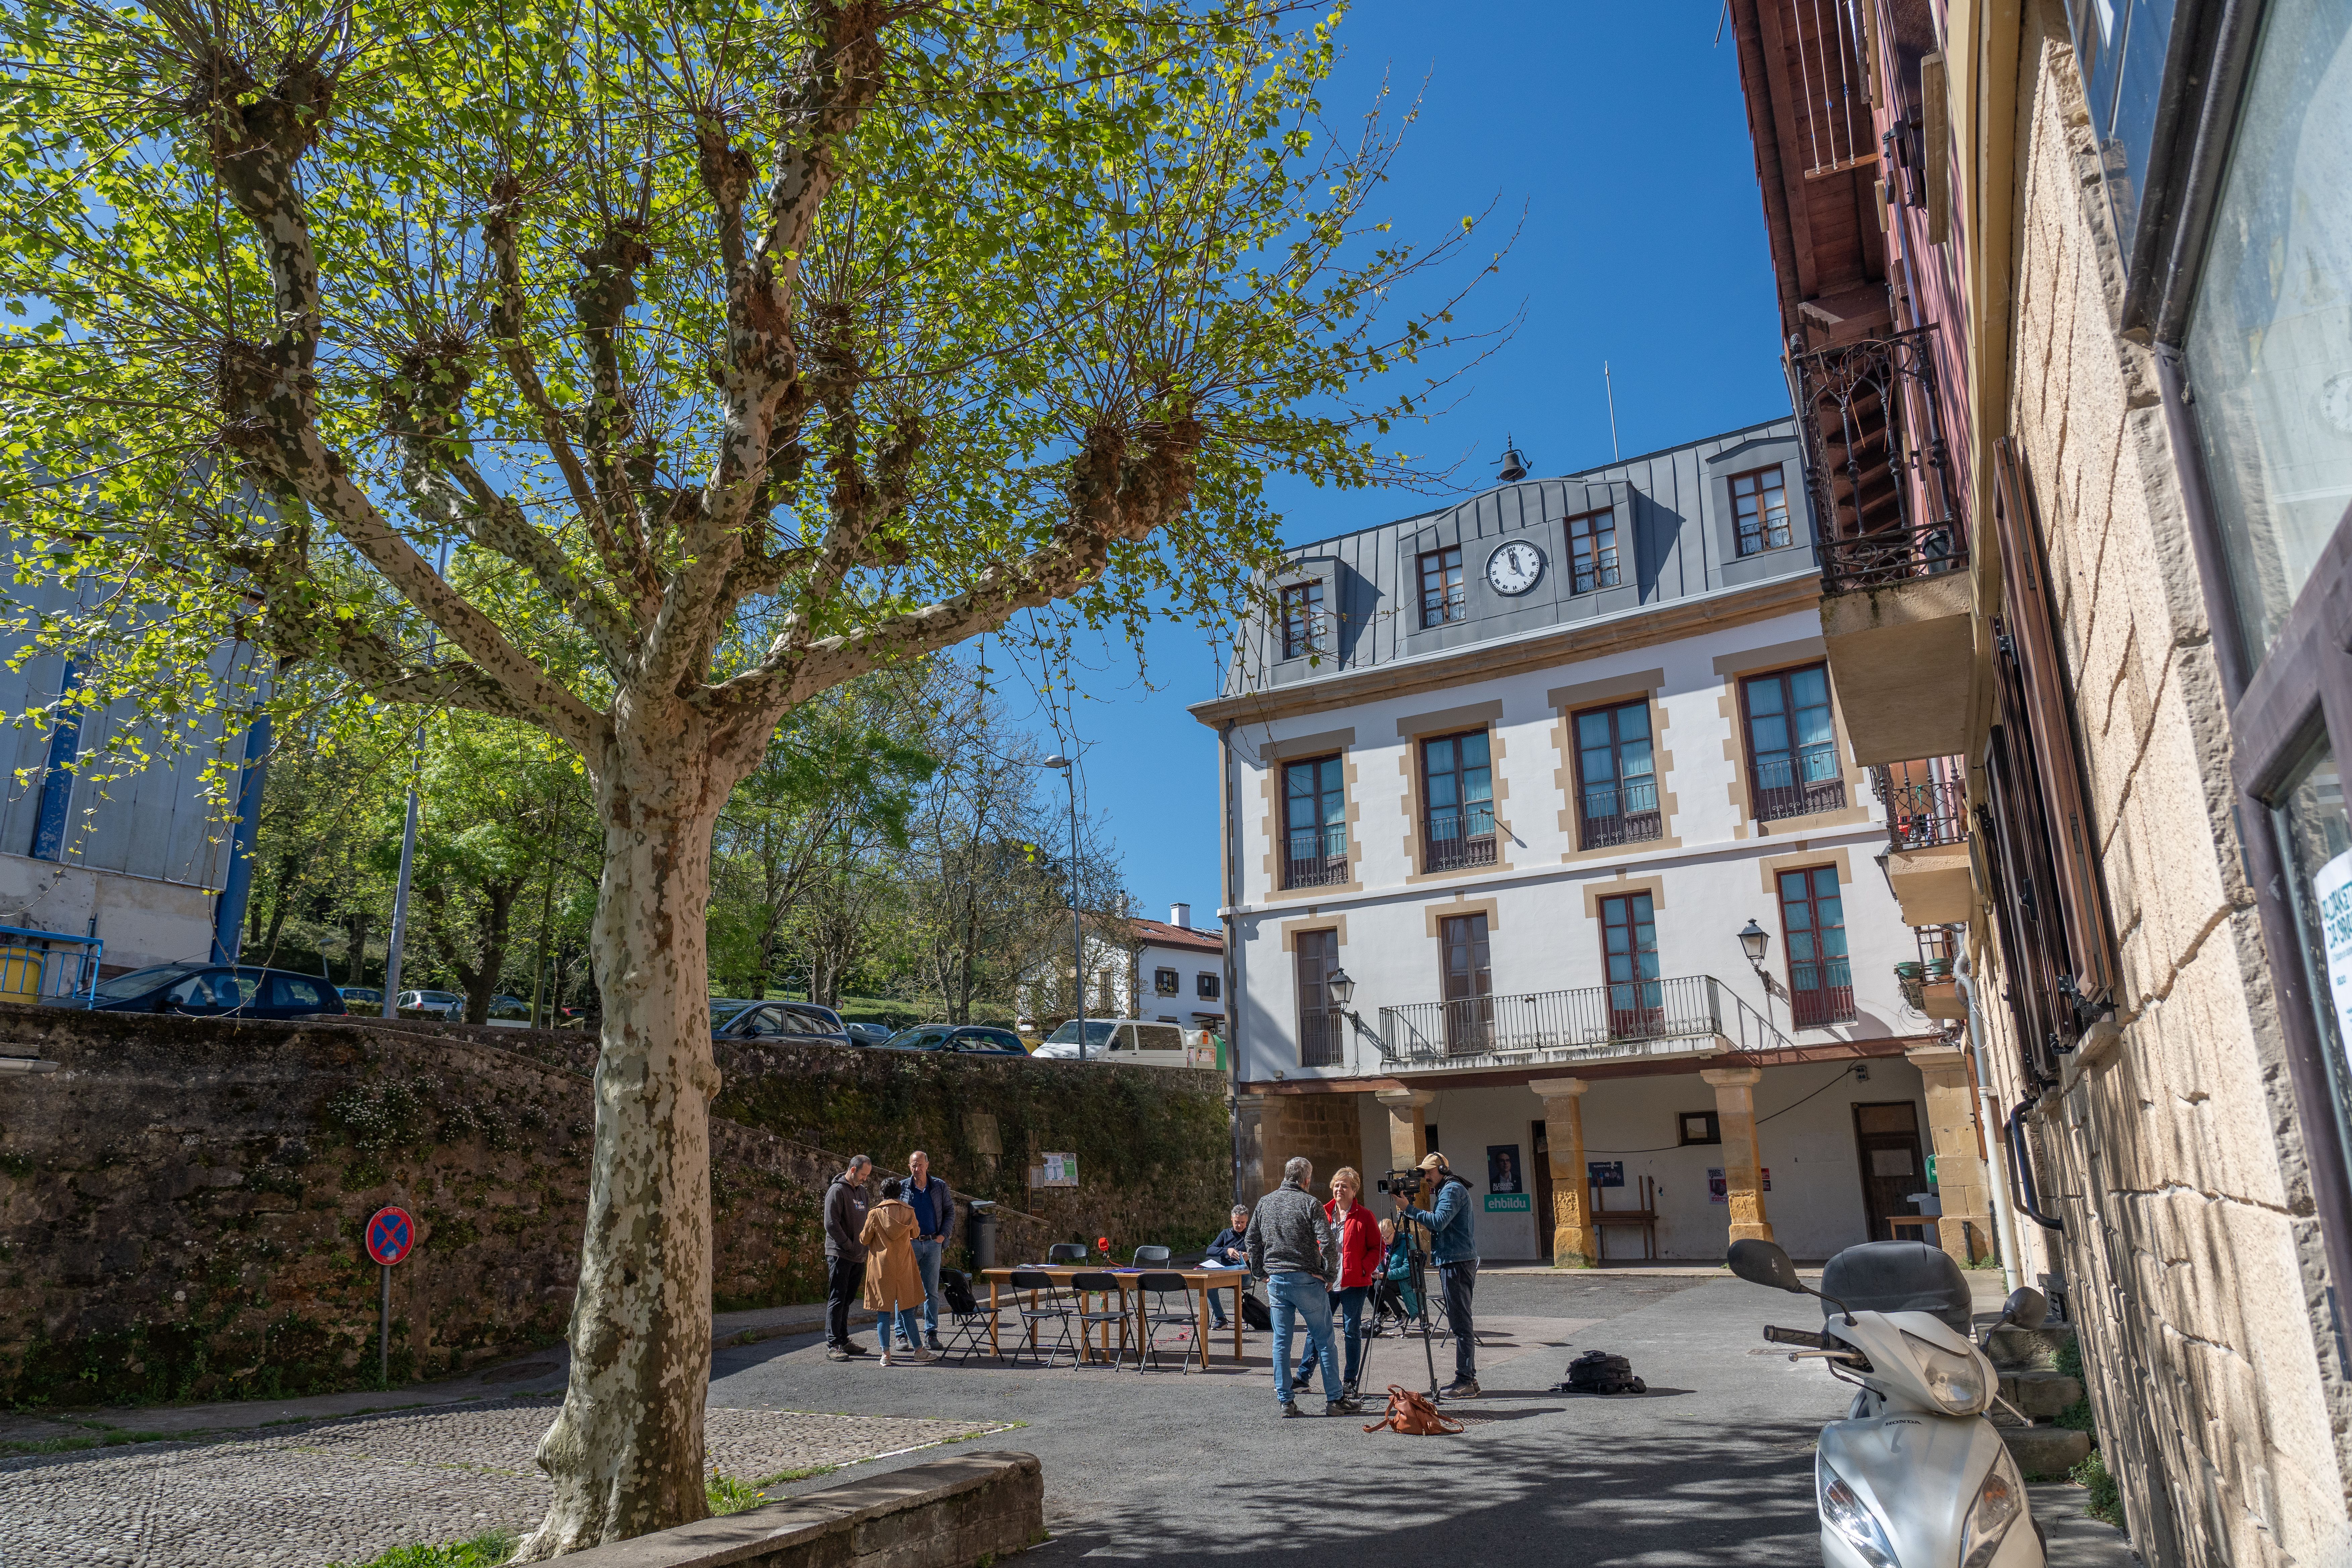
x: 391, y: 1234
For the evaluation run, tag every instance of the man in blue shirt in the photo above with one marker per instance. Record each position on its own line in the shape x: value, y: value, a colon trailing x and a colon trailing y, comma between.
x: 934, y: 1207
x: 1453, y: 1246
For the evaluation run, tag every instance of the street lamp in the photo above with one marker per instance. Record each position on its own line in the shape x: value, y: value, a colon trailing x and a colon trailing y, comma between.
x: 1343, y: 990
x: 1753, y: 940
x: 1077, y: 928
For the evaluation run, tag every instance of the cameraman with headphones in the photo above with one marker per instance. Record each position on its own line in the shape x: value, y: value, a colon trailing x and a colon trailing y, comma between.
x: 1453, y: 1246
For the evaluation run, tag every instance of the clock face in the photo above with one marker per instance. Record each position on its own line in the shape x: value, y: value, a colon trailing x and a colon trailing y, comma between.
x: 1514, y: 568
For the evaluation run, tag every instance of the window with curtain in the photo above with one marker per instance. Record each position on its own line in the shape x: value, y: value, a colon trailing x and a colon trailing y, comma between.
x: 1760, y: 510
x: 1302, y: 629
x: 1592, y: 552
x: 1442, y: 593
x: 1792, y: 756
x: 1458, y: 796
x: 1629, y: 956
x: 1617, y: 788
x: 1315, y: 824
x: 1812, y: 916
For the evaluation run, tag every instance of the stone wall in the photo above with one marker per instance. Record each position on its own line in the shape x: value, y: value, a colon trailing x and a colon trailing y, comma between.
x: 2172, y: 1152
x: 180, y: 1206
x: 1328, y: 1128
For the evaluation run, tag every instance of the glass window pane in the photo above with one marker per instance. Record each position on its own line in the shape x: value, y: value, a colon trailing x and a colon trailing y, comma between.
x: 1592, y: 728
x: 1811, y: 687
x: 2270, y: 333
x: 1771, y: 734
x: 1441, y: 756
x: 1633, y: 721
x: 1474, y: 750
x: 1764, y: 696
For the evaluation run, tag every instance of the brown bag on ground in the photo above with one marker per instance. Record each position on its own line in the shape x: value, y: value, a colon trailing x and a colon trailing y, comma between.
x: 1412, y: 1415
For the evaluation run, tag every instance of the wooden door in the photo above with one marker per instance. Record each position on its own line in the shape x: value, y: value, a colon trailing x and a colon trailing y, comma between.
x: 1469, y: 987
x: 1629, y: 949
x: 1888, y: 1136
x: 1540, y: 1139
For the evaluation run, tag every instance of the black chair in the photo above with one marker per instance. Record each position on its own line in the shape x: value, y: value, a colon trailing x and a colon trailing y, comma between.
x: 968, y: 1319
x: 1062, y: 1253
x: 1103, y: 1283
x: 1043, y: 1303
x: 1151, y: 1258
x: 1158, y: 1285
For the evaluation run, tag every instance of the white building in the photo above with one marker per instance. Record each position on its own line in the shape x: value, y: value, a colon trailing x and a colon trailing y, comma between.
x: 1516, y: 774
x: 1164, y: 971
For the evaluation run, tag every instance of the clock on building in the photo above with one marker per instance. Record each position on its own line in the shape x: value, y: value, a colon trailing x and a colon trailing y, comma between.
x: 1515, y: 567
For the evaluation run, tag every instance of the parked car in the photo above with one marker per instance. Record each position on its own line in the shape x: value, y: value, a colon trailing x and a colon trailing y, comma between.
x: 357, y: 996
x: 448, y: 1004
x: 217, y: 991
x: 869, y: 1034
x: 969, y: 1039
x: 1130, y: 1040
x: 731, y: 1019
x: 506, y: 1013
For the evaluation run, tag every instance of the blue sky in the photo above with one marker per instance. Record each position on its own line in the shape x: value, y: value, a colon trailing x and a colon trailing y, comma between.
x: 1620, y: 131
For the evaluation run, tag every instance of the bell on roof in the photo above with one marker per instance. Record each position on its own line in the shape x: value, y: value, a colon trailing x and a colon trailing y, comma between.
x: 1514, y: 466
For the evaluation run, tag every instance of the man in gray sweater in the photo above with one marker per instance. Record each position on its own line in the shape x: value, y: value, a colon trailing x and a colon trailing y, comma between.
x: 1294, y: 1249
x: 844, y: 1256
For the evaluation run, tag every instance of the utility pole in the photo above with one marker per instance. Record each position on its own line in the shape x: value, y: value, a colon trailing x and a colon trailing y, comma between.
x: 395, y: 943
x: 1610, y: 388
x: 1078, y: 924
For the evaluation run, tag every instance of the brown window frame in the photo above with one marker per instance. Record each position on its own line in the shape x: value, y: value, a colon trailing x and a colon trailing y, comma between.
x: 1798, y: 797
x: 1469, y: 1008
x: 1165, y: 983
x: 1833, y: 974
x: 1631, y: 826
x: 1305, y: 624
x: 1453, y: 582
x: 1605, y: 568
x: 1465, y: 849
x: 1322, y: 867
x: 1637, y: 1003
x: 1321, y: 1043
x: 1763, y: 532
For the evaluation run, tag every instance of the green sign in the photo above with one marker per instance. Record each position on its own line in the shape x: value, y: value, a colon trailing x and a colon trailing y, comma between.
x: 1509, y: 1203
x: 1931, y: 1170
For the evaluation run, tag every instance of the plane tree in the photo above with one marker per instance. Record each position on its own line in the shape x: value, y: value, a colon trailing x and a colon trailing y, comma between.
x: 638, y: 370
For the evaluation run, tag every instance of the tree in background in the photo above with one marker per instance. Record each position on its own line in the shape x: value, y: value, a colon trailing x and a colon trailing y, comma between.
x: 733, y: 349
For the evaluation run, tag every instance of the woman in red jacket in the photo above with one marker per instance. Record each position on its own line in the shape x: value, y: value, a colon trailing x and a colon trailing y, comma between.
x: 1360, y: 1254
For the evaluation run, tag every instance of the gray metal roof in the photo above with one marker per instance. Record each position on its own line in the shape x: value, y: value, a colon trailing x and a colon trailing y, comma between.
x: 1674, y: 535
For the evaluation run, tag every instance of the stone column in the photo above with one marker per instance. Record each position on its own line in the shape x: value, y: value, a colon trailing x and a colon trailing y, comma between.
x: 1743, y: 1175
x: 1574, y: 1242
x: 1408, y: 1119
x: 1960, y: 1163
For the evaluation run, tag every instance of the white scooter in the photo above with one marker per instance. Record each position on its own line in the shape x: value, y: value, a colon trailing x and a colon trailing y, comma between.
x: 1915, y: 1477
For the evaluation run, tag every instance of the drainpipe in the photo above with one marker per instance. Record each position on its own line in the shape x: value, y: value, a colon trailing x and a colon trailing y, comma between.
x: 2005, y: 1223
x: 1231, y: 864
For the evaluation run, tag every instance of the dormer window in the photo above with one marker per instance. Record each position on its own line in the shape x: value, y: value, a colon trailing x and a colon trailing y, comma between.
x: 1303, y: 625
x: 1441, y: 596
x: 1760, y: 507
x: 1592, y: 552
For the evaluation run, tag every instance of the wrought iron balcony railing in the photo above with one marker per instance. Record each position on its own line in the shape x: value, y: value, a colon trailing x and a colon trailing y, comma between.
x: 1798, y: 786
x: 1687, y: 1015
x: 1317, y: 858
x: 1459, y: 839
x: 1820, y: 993
x: 1926, y: 802
x: 1626, y: 814
x: 1881, y: 470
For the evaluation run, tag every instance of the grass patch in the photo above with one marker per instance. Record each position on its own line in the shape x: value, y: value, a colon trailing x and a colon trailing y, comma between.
x: 2106, y: 1498
x: 727, y: 1495
x: 484, y: 1551
x: 809, y: 1473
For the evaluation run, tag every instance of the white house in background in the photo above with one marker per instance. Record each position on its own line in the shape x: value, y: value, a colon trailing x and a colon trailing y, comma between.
x: 1505, y: 784
x: 1166, y: 972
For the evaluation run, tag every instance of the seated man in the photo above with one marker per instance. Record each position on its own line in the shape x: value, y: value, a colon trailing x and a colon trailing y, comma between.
x: 1229, y: 1250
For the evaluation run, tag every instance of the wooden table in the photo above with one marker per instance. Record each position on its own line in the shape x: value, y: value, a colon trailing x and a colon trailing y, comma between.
x: 1202, y: 1279
x: 1924, y: 1223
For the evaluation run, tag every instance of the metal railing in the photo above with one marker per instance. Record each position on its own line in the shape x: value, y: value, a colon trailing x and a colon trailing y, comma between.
x: 1830, y: 91
x: 1820, y: 993
x: 1880, y: 469
x: 48, y: 967
x: 1785, y: 787
x: 1458, y: 839
x: 1621, y: 814
x: 1926, y: 802
x: 1686, y: 1015
x: 1317, y: 858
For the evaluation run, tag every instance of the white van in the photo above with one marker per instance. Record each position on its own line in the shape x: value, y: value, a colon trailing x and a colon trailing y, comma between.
x: 1132, y: 1040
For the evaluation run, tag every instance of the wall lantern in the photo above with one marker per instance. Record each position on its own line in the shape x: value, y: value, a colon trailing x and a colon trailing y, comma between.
x: 1753, y: 941
x: 1343, y: 990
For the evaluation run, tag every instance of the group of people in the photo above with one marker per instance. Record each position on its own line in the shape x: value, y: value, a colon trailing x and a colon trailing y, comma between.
x: 889, y: 1252
x: 1317, y: 1260
x: 1321, y: 1258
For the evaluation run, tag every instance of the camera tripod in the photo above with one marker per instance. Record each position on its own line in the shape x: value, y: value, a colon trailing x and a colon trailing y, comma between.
x: 1417, y: 1268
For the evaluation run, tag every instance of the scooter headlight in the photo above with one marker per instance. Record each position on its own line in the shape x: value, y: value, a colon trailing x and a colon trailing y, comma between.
x: 1998, y: 1502
x: 1844, y: 1511
x: 1957, y: 1382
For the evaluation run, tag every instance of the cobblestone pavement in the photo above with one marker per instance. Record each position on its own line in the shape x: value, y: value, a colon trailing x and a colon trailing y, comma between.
x: 344, y: 1490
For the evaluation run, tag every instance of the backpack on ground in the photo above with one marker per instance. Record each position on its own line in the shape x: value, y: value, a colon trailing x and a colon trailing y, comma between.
x: 1254, y: 1313
x: 1412, y: 1415
x: 1598, y: 1372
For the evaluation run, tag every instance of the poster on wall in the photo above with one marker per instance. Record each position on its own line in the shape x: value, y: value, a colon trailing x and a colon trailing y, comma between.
x: 1605, y: 1173
x: 1718, y: 1191
x: 1058, y: 1171
x: 2331, y: 890
x: 1503, y: 1168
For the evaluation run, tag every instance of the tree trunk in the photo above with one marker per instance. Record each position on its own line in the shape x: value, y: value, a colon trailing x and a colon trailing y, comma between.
x: 625, y: 1454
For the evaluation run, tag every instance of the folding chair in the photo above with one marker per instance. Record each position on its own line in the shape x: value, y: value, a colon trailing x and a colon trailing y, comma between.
x: 968, y: 1321
x: 1103, y: 1283
x: 1159, y: 1285
x: 1048, y: 1305
x: 1152, y: 1257
x: 1064, y: 1253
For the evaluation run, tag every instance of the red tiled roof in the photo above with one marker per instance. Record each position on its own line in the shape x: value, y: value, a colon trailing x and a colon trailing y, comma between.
x: 1160, y: 933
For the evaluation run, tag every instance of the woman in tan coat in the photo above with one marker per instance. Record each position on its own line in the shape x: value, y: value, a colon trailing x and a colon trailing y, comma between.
x: 892, y: 1275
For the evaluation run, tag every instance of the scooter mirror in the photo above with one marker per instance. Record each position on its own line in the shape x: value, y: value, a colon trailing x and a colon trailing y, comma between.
x: 2026, y: 1307
x: 1762, y: 1263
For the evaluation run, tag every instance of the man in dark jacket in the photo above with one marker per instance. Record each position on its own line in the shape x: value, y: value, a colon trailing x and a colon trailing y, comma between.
x: 1229, y: 1250
x: 1453, y: 1244
x: 1294, y: 1249
x: 933, y: 1202
x: 844, y: 1256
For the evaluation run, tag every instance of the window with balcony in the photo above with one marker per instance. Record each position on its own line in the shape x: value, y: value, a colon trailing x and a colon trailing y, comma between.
x: 1303, y: 627
x: 1315, y: 824
x: 1629, y: 955
x: 1469, y: 986
x: 1592, y: 552
x: 1792, y: 756
x: 1442, y: 592
x: 1318, y: 954
x: 1820, y: 987
x: 1164, y: 983
x: 1618, y: 790
x: 1458, y: 788
x: 1760, y: 510
x: 1207, y: 986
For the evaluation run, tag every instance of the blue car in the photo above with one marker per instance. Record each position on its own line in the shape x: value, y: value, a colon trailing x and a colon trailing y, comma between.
x: 218, y: 991
x: 965, y: 1039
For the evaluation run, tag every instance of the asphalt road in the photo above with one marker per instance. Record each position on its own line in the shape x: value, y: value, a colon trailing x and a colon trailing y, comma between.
x: 1713, y: 1465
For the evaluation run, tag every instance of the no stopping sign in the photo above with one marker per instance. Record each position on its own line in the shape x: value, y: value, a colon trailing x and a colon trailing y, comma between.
x: 390, y: 1235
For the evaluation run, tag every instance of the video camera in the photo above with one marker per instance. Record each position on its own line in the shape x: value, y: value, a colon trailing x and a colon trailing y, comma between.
x: 1403, y: 1184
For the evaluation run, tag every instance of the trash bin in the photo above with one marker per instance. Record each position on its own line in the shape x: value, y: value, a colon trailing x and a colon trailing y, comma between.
x: 980, y: 1237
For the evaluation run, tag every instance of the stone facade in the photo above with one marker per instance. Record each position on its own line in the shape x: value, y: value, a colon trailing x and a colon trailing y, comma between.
x: 2191, y: 1249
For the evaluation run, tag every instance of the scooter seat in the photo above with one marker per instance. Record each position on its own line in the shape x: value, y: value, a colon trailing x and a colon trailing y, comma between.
x: 1898, y: 1277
